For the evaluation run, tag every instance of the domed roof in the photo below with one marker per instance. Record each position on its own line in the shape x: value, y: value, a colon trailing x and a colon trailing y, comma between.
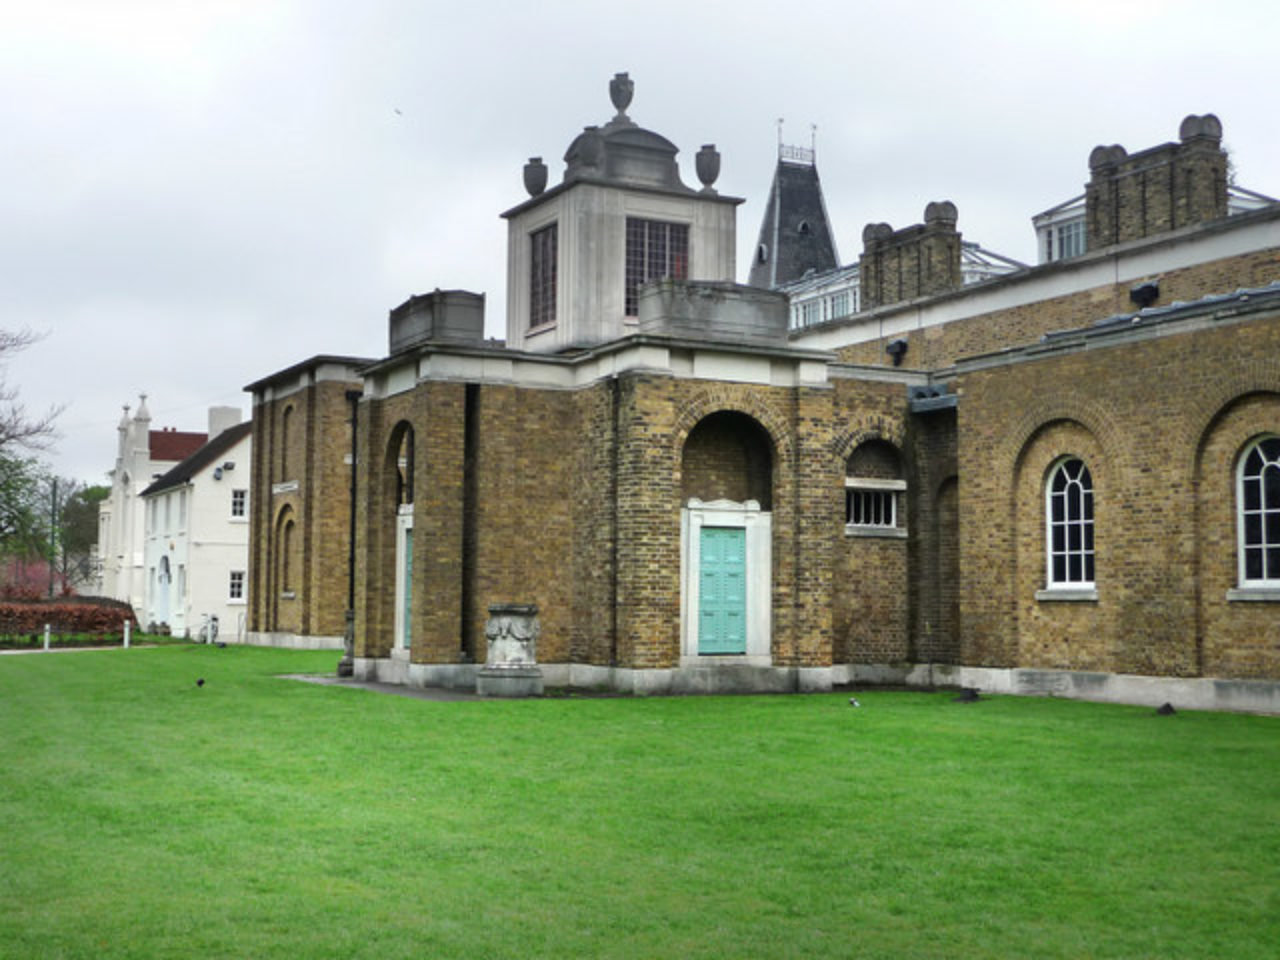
x: 623, y: 152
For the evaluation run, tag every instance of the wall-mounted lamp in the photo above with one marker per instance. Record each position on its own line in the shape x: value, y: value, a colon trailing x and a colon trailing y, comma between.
x: 1144, y: 294
x: 896, y: 349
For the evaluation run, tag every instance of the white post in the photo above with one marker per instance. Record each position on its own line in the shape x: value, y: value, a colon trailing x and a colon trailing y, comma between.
x: 46, y: 636
x: 126, y: 634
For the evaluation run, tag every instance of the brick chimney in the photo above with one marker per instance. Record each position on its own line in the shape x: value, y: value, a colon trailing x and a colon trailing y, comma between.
x: 916, y: 261
x: 1160, y: 189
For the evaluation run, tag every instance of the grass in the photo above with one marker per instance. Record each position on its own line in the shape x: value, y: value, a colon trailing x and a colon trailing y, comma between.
x: 141, y: 816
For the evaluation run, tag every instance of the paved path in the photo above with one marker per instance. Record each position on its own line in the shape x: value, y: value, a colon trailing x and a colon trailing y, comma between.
x: 395, y: 689
x: 116, y: 646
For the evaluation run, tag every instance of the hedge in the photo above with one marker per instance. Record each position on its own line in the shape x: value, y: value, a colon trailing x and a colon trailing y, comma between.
x: 71, y: 615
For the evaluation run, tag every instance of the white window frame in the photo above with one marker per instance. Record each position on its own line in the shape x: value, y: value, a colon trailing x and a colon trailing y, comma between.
x: 1268, y: 585
x: 243, y: 513
x: 892, y: 490
x: 1066, y: 587
x: 236, y: 586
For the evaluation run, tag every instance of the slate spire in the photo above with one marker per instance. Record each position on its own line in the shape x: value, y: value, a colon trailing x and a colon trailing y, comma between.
x: 795, y: 234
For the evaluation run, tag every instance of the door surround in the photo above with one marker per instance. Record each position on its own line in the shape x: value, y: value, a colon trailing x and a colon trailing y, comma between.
x: 758, y: 524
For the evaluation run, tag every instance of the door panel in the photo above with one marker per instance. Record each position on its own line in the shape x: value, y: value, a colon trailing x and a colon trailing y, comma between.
x: 722, y: 590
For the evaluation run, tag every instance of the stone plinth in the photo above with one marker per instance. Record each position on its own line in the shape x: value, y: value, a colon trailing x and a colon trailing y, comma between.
x: 511, y: 665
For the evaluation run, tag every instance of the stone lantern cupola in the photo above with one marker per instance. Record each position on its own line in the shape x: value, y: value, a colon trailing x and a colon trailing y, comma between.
x: 621, y: 217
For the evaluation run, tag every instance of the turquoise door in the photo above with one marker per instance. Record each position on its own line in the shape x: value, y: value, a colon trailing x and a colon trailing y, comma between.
x: 722, y: 590
x: 406, y: 612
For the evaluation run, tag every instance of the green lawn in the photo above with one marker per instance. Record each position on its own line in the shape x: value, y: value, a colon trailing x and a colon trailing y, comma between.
x: 255, y: 817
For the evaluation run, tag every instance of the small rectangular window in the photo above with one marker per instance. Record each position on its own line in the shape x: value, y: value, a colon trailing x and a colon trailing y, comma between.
x: 871, y: 508
x: 239, y: 500
x: 1071, y: 239
x: 235, y: 587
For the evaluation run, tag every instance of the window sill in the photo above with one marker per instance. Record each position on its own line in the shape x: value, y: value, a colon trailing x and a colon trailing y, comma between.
x: 238, y: 519
x: 884, y: 533
x: 544, y: 328
x: 236, y: 601
x: 1254, y: 595
x: 1068, y: 595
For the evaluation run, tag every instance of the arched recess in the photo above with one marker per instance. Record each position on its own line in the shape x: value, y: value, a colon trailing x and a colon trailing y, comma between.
x: 1237, y: 619
x: 726, y: 483
x: 871, y: 590
x: 398, y: 489
x: 286, y: 569
x: 1058, y: 625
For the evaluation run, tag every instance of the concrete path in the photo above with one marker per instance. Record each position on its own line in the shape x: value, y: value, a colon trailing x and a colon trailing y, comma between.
x: 395, y: 689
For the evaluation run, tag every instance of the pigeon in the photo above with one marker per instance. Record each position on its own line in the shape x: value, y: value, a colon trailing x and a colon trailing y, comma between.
x: 222, y: 645
x: 200, y: 682
x: 967, y: 695
x: 853, y: 702
x: 1166, y: 710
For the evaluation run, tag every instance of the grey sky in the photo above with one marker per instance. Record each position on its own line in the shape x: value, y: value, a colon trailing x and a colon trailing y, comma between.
x: 197, y: 194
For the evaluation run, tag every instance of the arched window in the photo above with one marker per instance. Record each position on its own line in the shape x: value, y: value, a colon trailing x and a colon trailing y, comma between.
x: 1069, y: 521
x: 1258, y: 513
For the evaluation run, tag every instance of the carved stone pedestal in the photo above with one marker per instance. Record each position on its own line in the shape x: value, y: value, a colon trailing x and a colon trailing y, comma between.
x: 511, y: 665
x: 346, y: 666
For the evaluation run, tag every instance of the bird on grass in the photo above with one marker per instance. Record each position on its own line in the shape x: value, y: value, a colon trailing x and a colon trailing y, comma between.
x: 200, y: 682
x: 967, y: 695
x: 1166, y: 710
x: 853, y: 702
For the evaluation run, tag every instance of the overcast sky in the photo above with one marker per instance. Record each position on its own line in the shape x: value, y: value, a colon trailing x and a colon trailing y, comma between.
x: 194, y: 195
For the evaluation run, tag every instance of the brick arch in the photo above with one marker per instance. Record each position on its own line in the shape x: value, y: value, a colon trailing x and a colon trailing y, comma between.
x: 869, y: 428
x: 1254, y: 377
x: 400, y: 434
x: 720, y: 400
x: 1070, y: 407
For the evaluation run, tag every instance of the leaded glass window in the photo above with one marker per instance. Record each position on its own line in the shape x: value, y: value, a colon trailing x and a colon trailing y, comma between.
x: 1070, y: 525
x: 542, y: 277
x: 655, y: 250
x: 1258, y: 501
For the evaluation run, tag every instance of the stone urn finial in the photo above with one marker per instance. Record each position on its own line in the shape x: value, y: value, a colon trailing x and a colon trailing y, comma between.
x: 590, y: 147
x: 535, y: 176
x: 707, y: 163
x: 621, y: 89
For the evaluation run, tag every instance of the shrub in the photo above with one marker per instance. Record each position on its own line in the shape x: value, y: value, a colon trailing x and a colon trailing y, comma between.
x: 96, y: 615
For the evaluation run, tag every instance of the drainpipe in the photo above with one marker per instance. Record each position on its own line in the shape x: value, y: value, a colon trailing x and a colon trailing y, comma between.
x: 346, y: 666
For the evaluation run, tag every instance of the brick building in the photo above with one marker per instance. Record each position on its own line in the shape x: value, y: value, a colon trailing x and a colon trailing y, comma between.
x: 1066, y: 478
x: 300, y: 519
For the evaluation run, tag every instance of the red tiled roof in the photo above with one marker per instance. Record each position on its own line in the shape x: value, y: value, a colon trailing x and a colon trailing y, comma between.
x: 175, y: 444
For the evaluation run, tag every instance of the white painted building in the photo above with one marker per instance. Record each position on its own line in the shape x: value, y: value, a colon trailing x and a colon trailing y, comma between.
x: 142, y: 456
x: 197, y: 535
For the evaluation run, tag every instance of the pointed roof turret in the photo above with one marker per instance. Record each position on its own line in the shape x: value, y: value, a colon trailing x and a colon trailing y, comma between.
x: 795, y: 234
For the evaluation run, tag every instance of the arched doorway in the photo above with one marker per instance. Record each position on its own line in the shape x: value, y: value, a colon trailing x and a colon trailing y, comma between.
x: 162, y: 598
x: 726, y: 481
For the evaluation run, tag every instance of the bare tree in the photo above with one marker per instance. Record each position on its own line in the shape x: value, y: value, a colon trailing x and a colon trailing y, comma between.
x: 18, y: 428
